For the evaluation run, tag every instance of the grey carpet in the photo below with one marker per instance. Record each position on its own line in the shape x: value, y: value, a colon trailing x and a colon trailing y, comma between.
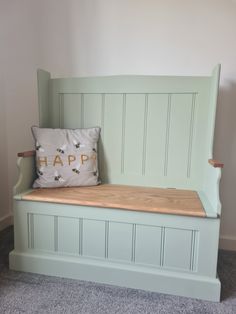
x: 30, y: 293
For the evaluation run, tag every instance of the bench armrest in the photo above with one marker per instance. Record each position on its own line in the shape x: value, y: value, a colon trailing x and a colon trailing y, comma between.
x: 27, y: 173
x: 29, y: 153
x: 216, y: 163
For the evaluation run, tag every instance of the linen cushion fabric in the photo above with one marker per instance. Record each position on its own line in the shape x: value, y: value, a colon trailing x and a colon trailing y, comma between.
x: 66, y: 157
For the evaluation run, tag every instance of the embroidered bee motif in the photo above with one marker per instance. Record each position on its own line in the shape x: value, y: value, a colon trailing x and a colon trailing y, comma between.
x: 78, y: 144
x: 39, y: 147
x: 58, y: 177
x: 76, y: 169
x: 61, y: 149
x: 40, y: 171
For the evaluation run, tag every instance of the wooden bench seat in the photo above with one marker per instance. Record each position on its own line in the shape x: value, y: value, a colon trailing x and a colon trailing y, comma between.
x: 158, y: 200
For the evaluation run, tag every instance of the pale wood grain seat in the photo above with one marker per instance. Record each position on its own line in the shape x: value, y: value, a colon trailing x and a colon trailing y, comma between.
x: 156, y: 200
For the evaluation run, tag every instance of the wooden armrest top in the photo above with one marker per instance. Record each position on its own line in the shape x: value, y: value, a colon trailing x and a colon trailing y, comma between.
x: 216, y: 163
x: 30, y: 153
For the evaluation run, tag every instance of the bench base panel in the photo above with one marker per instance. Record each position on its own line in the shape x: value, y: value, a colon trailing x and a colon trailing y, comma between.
x: 116, y: 274
x: 164, y: 253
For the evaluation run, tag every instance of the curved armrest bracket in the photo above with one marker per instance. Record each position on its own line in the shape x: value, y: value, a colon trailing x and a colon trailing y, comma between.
x: 216, y: 163
x: 27, y: 173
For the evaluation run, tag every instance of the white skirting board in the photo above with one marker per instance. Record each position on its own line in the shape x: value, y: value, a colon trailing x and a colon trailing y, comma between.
x: 6, y: 221
x: 228, y: 242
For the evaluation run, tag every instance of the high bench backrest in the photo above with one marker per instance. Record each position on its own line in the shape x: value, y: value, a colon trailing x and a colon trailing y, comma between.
x: 155, y: 130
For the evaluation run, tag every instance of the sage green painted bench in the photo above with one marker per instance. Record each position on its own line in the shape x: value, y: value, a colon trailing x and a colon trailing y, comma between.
x: 154, y: 222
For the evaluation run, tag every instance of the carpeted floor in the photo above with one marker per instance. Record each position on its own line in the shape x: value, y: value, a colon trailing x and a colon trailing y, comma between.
x: 30, y: 293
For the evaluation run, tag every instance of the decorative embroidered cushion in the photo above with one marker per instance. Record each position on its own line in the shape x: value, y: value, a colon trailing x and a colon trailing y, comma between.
x: 66, y: 157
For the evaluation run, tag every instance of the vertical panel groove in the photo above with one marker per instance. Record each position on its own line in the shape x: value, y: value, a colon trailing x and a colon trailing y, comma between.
x: 192, y: 119
x: 103, y: 114
x: 28, y: 230
x: 123, y: 134
x: 82, y: 111
x: 106, y: 238
x: 31, y: 231
x: 80, y: 236
x: 133, y: 243
x: 101, y: 140
x: 162, y: 253
x: 61, y: 110
x: 193, y: 248
x: 167, y: 135
x: 55, y: 233
x: 145, y: 135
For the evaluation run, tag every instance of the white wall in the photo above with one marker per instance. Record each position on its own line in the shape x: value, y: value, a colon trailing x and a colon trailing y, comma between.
x: 87, y: 37
x: 18, y: 56
x: 4, y: 197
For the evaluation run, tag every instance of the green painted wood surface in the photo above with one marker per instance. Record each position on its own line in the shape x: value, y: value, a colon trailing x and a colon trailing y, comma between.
x: 27, y: 175
x: 93, y: 246
x: 150, y: 254
x: 121, y: 241
x: 67, y: 236
x: 186, y: 285
x: 165, y: 246
x: 106, y: 233
x: 156, y: 131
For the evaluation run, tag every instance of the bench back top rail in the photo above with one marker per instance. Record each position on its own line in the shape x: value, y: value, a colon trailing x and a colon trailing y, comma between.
x: 155, y: 130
